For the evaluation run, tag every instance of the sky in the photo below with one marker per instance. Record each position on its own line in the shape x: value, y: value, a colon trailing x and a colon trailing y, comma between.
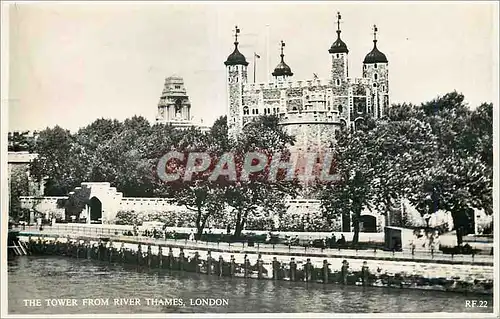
x: 71, y: 63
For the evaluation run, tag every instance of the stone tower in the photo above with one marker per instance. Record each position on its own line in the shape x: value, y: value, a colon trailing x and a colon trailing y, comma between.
x: 339, y: 52
x: 339, y: 76
x: 174, y: 106
x: 376, y: 68
x: 236, y: 77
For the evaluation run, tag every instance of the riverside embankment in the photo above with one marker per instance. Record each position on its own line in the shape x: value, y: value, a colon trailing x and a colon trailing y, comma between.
x: 466, y: 274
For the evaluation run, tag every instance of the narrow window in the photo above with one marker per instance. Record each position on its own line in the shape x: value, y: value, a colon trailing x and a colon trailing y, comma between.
x: 375, y: 76
x: 375, y: 65
x: 361, y: 107
x: 338, y: 55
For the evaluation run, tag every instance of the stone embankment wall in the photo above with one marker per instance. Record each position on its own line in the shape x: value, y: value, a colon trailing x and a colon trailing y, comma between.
x: 371, y: 272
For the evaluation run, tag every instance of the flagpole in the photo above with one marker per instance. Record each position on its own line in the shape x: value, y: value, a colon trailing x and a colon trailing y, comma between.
x: 267, y: 52
x: 254, y: 65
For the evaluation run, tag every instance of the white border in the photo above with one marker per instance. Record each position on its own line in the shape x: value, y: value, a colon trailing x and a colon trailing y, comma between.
x: 4, y: 198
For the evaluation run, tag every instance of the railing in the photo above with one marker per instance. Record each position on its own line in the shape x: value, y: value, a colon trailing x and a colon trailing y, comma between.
x: 116, y: 233
x: 303, y: 235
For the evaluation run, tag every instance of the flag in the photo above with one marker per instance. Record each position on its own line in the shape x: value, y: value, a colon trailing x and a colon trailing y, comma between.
x: 257, y: 56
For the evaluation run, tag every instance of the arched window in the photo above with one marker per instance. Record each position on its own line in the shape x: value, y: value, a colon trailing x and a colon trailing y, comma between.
x: 337, y: 82
x: 375, y: 76
x: 341, y: 108
x: 246, y: 111
x: 375, y: 65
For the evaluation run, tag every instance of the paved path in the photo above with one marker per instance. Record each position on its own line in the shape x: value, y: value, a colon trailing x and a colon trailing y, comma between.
x: 279, y: 249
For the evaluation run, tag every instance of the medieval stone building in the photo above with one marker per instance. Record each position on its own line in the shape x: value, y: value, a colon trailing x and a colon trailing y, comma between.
x: 312, y: 110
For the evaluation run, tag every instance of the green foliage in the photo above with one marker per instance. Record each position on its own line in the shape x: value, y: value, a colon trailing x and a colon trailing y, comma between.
x: 437, y: 155
x: 76, y: 202
x: 19, y: 186
x: 127, y: 218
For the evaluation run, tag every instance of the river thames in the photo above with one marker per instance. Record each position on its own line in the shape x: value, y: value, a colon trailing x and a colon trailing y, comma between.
x: 91, y: 286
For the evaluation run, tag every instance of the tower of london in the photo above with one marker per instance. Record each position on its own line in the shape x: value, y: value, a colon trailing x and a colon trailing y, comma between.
x: 312, y: 110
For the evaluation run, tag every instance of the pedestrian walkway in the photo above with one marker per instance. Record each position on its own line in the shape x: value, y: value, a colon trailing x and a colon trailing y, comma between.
x: 277, y: 249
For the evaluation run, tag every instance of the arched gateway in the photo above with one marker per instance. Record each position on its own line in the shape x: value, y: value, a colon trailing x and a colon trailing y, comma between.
x: 95, y: 210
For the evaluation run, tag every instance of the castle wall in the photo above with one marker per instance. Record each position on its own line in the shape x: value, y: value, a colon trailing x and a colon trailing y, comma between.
x: 49, y: 206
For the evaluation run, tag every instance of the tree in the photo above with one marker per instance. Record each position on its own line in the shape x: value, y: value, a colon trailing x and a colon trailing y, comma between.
x: 18, y: 187
x: 55, y: 161
x: 199, y: 194
x: 76, y: 202
x: 258, y: 193
x: 399, y: 147
x: 460, y: 177
x: 354, y: 164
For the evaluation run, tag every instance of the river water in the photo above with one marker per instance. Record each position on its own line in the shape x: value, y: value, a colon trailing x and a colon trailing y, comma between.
x: 31, y: 278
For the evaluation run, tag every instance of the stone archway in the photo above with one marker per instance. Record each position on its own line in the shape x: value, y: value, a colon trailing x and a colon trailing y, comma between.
x: 95, y: 210
x: 358, y: 123
x: 368, y: 224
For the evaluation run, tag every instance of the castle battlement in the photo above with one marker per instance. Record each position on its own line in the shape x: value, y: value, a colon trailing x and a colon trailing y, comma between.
x: 286, y: 84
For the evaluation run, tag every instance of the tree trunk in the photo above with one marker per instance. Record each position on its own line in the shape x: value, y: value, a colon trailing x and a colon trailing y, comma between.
x: 457, y: 224
x: 199, y: 226
x: 355, y: 237
x: 238, y: 227
x: 459, y: 236
x: 240, y: 223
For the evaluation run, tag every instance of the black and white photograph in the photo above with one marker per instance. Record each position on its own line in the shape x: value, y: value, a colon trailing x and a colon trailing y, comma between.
x: 240, y: 159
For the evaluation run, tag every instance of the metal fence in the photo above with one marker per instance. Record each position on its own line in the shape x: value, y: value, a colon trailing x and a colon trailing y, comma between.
x: 117, y: 234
